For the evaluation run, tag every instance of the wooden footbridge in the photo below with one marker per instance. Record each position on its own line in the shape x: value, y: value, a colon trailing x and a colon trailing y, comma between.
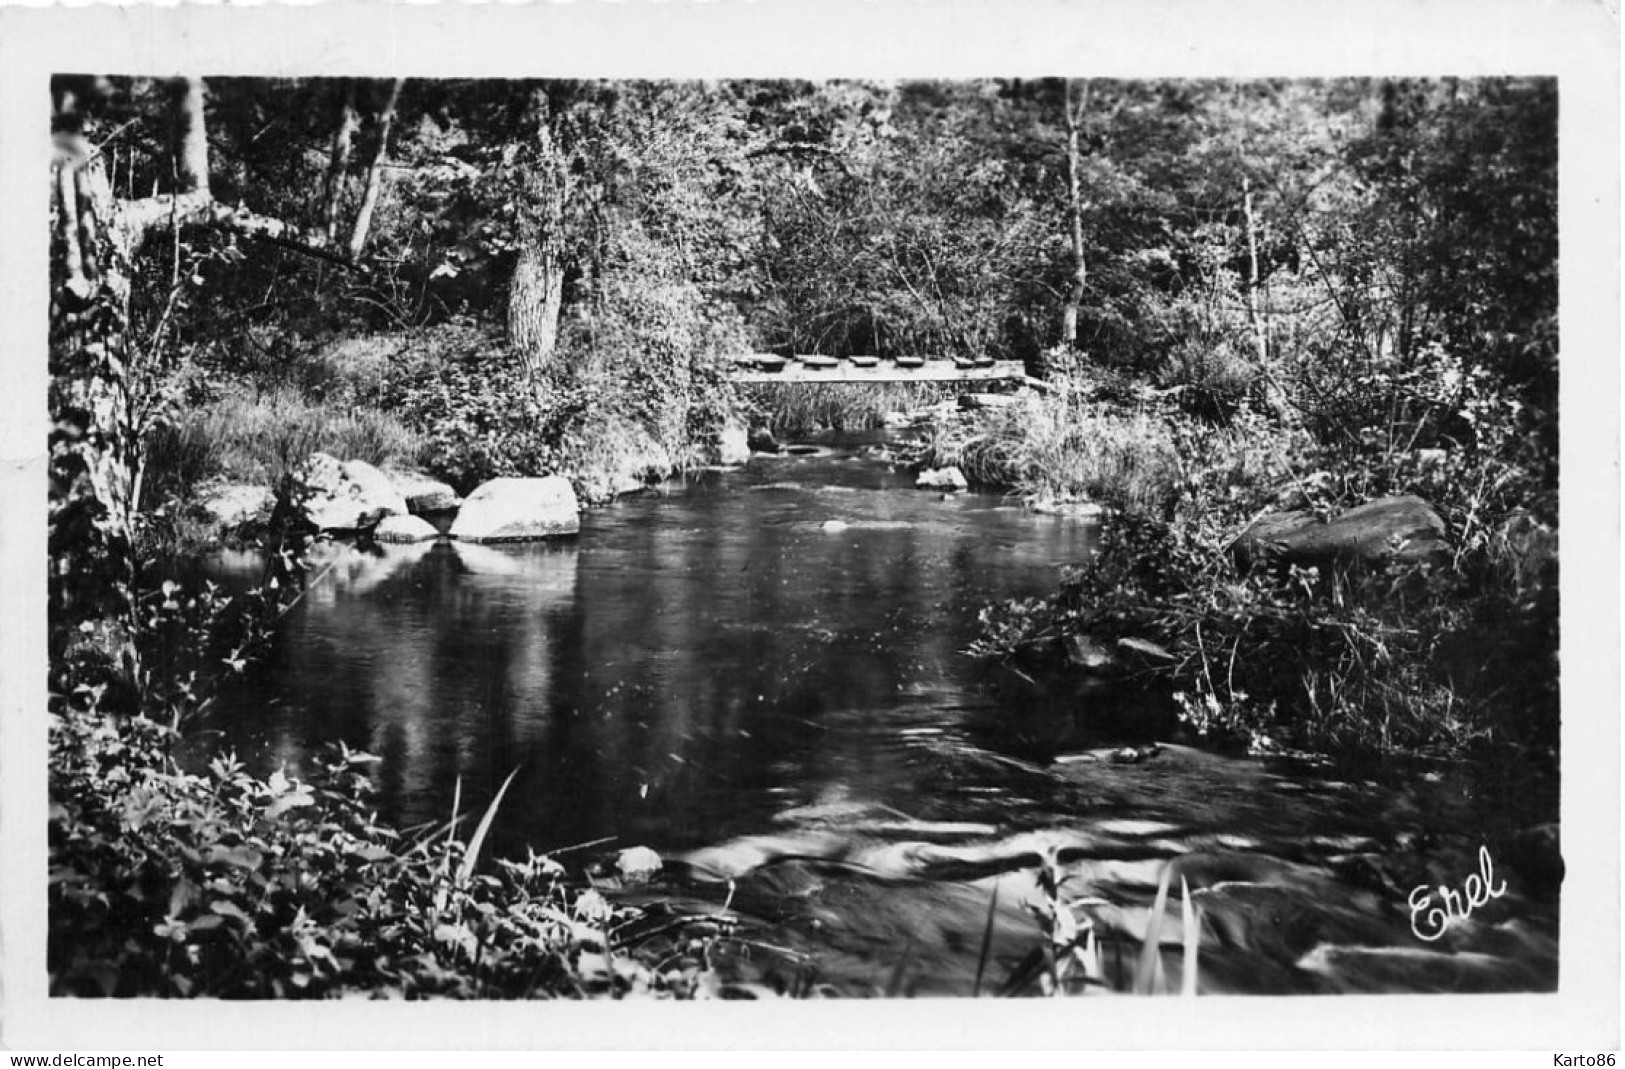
x: 768, y: 368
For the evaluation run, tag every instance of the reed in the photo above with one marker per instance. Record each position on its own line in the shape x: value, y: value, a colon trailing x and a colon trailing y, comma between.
x: 802, y: 408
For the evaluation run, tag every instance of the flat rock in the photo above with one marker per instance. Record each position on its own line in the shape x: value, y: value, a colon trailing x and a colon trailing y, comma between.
x: 1399, y: 530
x: 519, y: 510
x: 1088, y: 511
x: 404, y: 530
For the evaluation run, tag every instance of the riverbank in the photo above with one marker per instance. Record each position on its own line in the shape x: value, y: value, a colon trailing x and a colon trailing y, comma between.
x: 1291, y: 591
x: 771, y: 659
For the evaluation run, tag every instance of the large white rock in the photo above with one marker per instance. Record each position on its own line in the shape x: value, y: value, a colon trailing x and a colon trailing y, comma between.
x: 949, y: 478
x: 733, y: 445
x: 404, y: 529
x: 350, y: 495
x: 519, y: 510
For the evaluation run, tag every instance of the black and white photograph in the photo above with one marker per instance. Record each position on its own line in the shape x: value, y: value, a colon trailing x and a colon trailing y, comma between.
x: 751, y: 529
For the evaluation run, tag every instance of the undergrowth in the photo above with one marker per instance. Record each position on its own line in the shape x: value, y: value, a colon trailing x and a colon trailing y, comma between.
x: 803, y: 408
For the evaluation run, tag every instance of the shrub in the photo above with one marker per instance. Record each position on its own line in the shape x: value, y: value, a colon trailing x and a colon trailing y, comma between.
x: 1149, y: 458
x: 215, y: 883
x: 799, y: 408
x: 480, y: 417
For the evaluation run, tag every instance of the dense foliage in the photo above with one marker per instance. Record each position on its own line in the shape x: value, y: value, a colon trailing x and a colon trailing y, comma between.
x: 1243, y: 296
x: 217, y: 884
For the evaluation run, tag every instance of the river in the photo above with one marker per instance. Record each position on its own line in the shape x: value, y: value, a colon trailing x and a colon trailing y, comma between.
x: 760, y: 675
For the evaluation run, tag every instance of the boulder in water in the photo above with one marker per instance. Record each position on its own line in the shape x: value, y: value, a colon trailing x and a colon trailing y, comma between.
x: 1086, y: 653
x: 949, y: 478
x: 404, y: 530
x: 761, y: 440
x: 733, y: 445
x: 348, y: 496
x: 519, y: 510
x: 637, y: 864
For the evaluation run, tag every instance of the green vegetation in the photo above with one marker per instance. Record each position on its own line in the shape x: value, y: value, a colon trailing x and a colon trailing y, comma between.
x: 804, y: 408
x: 216, y: 884
x: 1244, y: 297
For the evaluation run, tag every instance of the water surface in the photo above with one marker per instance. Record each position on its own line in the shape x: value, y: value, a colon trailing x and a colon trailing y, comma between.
x: 761, y: 675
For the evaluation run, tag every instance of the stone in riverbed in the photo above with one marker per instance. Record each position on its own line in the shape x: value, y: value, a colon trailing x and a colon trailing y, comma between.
x: 949, y: 478
x: 404, y: 530
x: 424, y: 494
x: 733, y: 445
x: 1088, y: 654
x: 1400, y: 530
x: 637, y: 864
x: 519, y: 510
x: 1087, y: 511
x: 761, y: 440
x: 350, y: 495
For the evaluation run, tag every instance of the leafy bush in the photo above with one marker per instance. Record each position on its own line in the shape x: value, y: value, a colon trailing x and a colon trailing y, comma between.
x: 480, y: 417
x: 214, y: 883
x: 1406, y: 659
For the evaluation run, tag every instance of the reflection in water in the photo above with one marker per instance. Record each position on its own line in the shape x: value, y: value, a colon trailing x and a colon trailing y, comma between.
x: 761, y: 675
x: 692, y: 664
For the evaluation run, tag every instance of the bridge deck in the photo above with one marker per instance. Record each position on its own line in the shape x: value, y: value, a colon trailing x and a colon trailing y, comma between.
x: 844, y: 371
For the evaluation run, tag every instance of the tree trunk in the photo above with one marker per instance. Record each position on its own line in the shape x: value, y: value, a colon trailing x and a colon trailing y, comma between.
x: 338, y: 163
x: 1255, y: 317
x: 1074, y: 211
x: 536, y: 294
x: 535, y: 297
x: 95, y: 446
x: 375, y: 172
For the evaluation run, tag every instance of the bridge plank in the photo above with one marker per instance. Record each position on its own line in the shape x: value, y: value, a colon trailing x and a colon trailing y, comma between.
x: 885, y: 371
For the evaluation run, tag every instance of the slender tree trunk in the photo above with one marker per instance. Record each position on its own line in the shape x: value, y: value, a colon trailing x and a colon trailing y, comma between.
x: 338, y: 164
x: 375, y: 171
x: 95, y: 446
x: 1074, y: 211
x: 535, y: 298
x: 1255, y: 317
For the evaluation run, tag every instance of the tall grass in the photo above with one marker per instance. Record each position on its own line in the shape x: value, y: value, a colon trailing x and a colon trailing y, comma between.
x: 799, y: 408
x: 1066, y: 446
x: 254, y: 436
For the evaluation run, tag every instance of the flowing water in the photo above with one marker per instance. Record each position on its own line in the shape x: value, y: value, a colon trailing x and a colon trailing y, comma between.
x: 760, y: 675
